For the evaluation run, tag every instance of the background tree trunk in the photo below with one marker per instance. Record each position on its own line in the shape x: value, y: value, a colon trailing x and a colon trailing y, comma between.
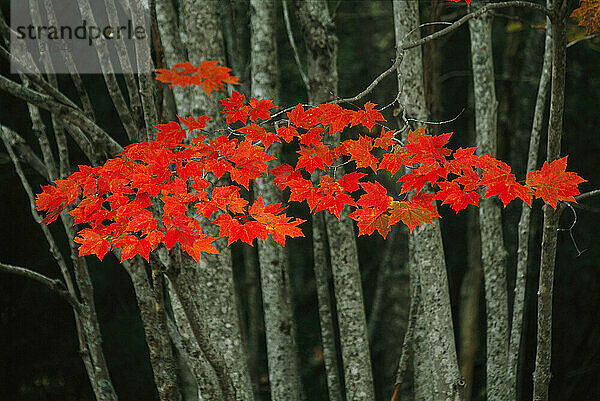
x: 435, y: 361
x: 493, y: 253
x: 284, y: 376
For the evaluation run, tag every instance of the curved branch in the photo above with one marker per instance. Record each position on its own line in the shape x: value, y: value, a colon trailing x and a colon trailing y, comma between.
x: 53, y: 284
x: 493, y: 6
x: 454, y: 26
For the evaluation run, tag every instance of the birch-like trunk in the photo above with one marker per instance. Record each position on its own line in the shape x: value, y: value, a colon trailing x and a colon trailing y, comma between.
x: 493, y: 252
x: 542, y: 373
x: 519, y: 304
x: 321, y: 45
x: 435, y: 362
x: 284, y: 376
x: 203, y: 40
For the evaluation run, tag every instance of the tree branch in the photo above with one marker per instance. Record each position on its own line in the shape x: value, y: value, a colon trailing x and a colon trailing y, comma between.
x: 493, y: 6
x: 69, y: 114
x: 288, y: 28
x: 55, y: 285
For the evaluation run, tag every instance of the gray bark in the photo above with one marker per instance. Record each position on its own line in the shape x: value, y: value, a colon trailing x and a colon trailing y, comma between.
x: 153, y: 317
x: 542, y: 374
x: 284, y: 376
x: 204, y: 41
x: 493, y: 252
x: 321, y: 46
x: 470, y: 294
x: 322, y: 276
x: 518, y: 314
x: 435, y: 362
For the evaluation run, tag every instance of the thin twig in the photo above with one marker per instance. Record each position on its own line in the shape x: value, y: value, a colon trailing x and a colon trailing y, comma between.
x: 586, y: 195
x: 492, y: 6
x: 438, y: 122
x: 288, y: 28
x: 574, y: 42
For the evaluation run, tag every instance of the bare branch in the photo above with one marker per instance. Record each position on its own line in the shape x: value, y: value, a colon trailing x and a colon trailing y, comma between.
x: 492, y: 6
x: 586, y: 195
x: 69, y: 114
x: 288, y: 28
x: 55, y: 285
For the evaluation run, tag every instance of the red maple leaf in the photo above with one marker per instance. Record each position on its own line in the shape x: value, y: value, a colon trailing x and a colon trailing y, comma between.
x: 553, y: 183
x: 367, y: 117
x: 371, y: 219
x: 92, y: 243
x: 451, y: 193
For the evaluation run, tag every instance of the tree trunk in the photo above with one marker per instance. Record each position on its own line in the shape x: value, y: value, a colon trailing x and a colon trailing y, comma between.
x: 321, y: 46
x: 519, y: 304
x: 435, y: 362
x: 493, y: 252
x: 542, y: 374
x: 284, y: 376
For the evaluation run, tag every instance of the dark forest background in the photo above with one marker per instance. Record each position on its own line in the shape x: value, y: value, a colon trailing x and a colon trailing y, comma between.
x: 38, y: 347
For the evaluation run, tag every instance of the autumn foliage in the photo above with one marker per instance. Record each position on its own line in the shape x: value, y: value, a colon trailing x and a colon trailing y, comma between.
x: 167, y: 190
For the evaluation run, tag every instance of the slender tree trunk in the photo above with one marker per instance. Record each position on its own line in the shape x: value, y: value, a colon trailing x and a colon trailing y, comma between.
x: 493, y: 252
x: 436, y: 368
x: 153, y: 317
x: 205, y: 42
x: 542, y: 373
x: 322, y: 275
x: 284, y: 376
x: 321, y: 45
x: 519, y: 304
x: 470, y: 294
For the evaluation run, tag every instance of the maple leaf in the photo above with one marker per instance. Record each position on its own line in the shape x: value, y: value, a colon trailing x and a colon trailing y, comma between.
x: 92, y: 243
x: 588, y: 15
x: 367, y: 117
x: 304, y: 118
x: 371, y: 219
x: 312, y: 158
x: 312, y: 137
x: 192, y: 123
x: 360, y: 152
x: 201, y: 244
x: 283, y: 174
x: 303, y: 190
x: 170, y: 132
x: 259, y: 109
x: 232, y: 228
x: 553, y: 183
x: 224, y: 199
x: 375, y: 196
x: 287, y: 133
x: 133, y: 246
x: 335, y: 116
x: 423, y: 148
x: 411, y: 213
x: 418, y: 178
x: 385, y: 139
x: 257, y: 133
x: 279, y: 226
x: 507, y: 187
x: 452, y: 194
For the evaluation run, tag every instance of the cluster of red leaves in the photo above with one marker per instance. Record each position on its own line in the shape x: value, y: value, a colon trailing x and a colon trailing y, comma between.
x: 208, y: 75
x: 157, y: 192
x: 588, y: 14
